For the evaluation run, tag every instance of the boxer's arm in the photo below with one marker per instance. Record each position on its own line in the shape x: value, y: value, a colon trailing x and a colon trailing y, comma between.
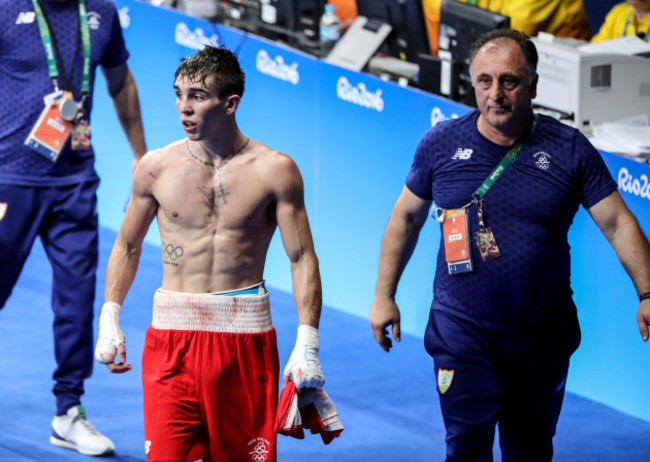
x: 125, y: 255
x: 122, y: 267
x: 298, y: 243
x: 299, y: 246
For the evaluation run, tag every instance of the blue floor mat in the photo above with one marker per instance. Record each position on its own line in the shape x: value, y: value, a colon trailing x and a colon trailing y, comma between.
x: 387, y: 402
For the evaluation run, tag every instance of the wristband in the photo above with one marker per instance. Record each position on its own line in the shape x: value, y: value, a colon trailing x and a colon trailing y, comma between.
x: 644, y: 296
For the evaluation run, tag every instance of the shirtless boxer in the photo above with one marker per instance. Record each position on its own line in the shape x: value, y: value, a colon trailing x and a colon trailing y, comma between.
x: 210, y: 362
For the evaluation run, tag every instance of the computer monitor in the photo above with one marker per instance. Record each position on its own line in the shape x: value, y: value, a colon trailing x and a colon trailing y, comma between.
x: 408, y: 37
x: 240, y: 14
x: 295, y: 22
x: 460, y: 25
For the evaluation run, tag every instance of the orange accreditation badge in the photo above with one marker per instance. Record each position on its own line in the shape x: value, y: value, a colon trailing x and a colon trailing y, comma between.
x: 455, y: 231
x: 51, y: 131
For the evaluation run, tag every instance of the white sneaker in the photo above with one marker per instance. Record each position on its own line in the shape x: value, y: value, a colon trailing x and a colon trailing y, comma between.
x: 73, y: 431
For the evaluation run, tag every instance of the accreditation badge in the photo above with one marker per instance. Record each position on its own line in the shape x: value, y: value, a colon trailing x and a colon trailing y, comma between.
x: 51, y: 130
x: 486, y: 244
x: 455, y: 231
x: 80, y: 138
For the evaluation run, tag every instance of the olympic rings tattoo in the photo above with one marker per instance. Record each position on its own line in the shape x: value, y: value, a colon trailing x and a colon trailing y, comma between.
x: 172, y: 252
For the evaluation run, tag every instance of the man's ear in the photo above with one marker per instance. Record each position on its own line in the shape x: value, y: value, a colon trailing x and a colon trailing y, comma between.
x: 232, y: 103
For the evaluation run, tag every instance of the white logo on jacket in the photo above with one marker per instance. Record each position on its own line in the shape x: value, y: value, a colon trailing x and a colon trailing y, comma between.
x: 25, y: 17
x: 542, y: 160
x: 463, y: 154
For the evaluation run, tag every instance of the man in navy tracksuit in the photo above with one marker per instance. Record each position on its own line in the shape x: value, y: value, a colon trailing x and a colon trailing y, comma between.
x: 506, y: 185
x: 48, y: 190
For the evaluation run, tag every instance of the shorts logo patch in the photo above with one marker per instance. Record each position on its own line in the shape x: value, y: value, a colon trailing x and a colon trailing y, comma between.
x: 260, y: 446
x: 147, y: 446
x: 445, y: 377
x: 3, y: 210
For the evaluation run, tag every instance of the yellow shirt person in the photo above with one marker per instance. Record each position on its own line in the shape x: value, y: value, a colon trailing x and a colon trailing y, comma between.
x: 562, y: 18
x: 622, y: 21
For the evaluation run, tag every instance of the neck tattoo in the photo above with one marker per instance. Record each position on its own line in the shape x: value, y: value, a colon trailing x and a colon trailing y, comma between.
x: 222, y: 192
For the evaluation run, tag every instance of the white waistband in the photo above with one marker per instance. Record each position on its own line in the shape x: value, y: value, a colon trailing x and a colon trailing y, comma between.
x: 243, y: 314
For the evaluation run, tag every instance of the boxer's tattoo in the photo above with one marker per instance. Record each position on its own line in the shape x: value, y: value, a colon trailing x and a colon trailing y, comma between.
x: 171, y: 253
x: 222, y: 192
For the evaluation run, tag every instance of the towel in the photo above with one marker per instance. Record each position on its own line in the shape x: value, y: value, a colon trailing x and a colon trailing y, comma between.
x: 311, y: 409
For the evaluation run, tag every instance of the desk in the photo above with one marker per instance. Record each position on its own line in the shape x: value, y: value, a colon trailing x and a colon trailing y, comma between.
x: 353, y: 137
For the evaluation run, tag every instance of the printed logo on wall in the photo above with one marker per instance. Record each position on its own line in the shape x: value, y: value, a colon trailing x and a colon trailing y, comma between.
x: 639, y: 187
x: 196, y: 39
x: 277, y: 68
x: 437, y: 116
x: 359, y: 95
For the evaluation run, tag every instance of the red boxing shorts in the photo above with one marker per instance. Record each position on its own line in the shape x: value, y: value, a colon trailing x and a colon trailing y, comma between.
x: 210, y: 372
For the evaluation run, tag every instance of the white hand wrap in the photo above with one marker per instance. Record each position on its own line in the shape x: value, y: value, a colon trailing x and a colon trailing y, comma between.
x: 110, y: 335
x: 304, y: 363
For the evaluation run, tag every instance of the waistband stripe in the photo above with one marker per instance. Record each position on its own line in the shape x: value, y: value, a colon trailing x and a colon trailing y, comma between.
x: 211, y: 313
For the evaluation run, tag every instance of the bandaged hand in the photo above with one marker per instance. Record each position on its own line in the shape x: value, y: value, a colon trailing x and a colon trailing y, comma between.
x: 110, y: 335
x: 303, y: 363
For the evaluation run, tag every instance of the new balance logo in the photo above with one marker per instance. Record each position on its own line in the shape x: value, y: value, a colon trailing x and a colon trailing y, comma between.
x: 25, y: 17
x: 463, y: 154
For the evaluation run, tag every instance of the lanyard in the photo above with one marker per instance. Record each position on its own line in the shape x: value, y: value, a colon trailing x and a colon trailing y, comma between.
x: 49, y: 43
x: 636, y: 28
x: 505, y: 162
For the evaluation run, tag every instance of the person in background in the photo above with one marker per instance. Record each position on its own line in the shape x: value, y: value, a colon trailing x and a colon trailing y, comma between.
x: 502, y: 327
x: 47, y: 188
x: 562, y: 18
x: 625, y: 19
x: 210, y: 362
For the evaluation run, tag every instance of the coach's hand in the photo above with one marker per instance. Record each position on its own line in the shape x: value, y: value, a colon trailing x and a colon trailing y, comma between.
x: 383, y: 313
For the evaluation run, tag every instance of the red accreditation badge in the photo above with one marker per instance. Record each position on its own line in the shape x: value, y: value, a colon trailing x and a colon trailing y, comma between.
x: 487, y: 245
x: 455, y: 231
x: 80, y: 137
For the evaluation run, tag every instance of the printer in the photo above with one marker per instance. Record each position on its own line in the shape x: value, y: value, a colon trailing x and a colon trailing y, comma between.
x: 584, y: 87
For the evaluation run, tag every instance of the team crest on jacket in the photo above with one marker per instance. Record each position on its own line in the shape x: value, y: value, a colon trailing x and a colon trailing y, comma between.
x: 3, y: 210
x: 445, y: 377
x: 542, y: 160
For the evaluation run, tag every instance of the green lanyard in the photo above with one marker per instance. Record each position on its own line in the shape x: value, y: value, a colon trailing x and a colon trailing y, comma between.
x: 50, y: 49
x: 505, y: 162
x: 636, y: 28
